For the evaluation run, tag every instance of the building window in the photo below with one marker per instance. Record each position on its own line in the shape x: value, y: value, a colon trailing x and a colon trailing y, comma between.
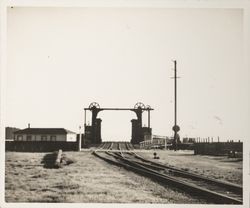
x: 28, y: 137
x: 19, y: 137
x: 53, y: 138
x: 44, y: 138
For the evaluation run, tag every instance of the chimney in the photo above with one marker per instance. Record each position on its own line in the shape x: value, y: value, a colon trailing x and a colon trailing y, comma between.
x: 28, y: 125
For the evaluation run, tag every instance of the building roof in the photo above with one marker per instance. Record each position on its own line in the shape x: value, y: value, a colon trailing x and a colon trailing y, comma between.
x: 44, y: 131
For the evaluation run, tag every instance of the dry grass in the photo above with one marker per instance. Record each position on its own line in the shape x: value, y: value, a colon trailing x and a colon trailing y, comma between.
x: 89, y: 180
x: 223, y: 168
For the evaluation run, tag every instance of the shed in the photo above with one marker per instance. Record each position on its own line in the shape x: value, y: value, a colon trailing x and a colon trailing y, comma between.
x: 45, y: 134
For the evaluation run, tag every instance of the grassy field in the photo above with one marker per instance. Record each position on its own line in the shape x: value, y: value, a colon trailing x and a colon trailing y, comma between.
x: 88, y: 179
x: 223, y: 168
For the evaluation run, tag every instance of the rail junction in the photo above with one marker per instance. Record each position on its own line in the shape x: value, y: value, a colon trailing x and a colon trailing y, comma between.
x: 123, y: 154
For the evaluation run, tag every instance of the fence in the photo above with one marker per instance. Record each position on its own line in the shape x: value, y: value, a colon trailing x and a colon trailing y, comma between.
x: 40, y: 146
x: 217, y: 148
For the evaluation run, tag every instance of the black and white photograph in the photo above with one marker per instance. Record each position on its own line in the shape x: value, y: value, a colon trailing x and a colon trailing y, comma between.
x: 136, y: 103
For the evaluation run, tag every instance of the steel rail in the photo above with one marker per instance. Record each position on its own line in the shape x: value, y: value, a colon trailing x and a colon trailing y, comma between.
x: 230, y: 186
x: 127, y: 146
x: 159, y: 167
x: 178, y: 172
x: 100, y: 146
x: 184, y: 174
x: 163, y: 178
x: 111, y: 145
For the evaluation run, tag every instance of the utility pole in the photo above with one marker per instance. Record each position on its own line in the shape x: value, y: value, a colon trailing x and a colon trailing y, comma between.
x: 175, y: 128
x: 175, y: 93
x: 80, y: 139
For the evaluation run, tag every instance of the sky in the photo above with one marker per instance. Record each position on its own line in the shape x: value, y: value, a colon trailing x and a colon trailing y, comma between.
x: 59, y: 60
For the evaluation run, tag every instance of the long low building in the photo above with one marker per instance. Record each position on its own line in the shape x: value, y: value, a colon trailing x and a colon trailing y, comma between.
x: 45, y: 134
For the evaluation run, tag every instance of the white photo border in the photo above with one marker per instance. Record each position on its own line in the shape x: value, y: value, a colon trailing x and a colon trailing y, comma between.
x: 227, y: 4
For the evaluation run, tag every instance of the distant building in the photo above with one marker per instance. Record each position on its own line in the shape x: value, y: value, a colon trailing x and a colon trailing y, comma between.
x: 188, y: 140
x: 45, y: 134
x: 9, y: 133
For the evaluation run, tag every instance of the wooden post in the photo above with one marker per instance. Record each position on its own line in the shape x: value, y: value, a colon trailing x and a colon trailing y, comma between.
x: 58, y: 159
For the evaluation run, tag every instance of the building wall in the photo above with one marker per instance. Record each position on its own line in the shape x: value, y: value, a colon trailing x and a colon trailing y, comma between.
x: 71, y: 137
x: 9, y: 133
x: 39, y: 137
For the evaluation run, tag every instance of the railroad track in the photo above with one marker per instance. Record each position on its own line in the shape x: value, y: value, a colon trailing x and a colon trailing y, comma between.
x: 213, y: 191
x: 105, y: 146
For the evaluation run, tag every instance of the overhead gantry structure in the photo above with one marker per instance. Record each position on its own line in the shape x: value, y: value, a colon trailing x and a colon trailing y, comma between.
x: 93, y: 132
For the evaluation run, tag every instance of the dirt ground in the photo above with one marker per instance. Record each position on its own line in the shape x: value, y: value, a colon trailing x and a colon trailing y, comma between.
x: 88, y: 179
x: 218, y: 167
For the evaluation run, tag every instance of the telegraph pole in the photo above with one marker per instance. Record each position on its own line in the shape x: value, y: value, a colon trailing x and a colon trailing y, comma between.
x: 175, y: 93
x: 175, y: 128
